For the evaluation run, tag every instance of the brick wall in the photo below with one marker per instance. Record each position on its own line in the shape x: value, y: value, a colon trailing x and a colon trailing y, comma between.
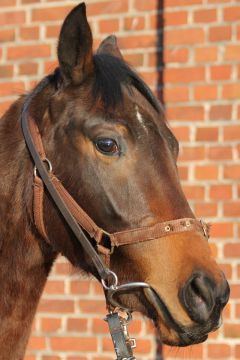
x: 201, y: 90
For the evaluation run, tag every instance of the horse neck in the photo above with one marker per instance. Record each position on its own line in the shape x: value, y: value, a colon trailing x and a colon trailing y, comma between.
x: 25, y: 260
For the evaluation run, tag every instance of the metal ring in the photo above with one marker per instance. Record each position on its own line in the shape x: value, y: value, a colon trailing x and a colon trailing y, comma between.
x: 49, y: 164
x: 115, y: 281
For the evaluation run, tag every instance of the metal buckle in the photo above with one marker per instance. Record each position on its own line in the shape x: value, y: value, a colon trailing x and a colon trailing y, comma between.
x: 122, y: 342
x: 49, y: 164
x: 204, y: 228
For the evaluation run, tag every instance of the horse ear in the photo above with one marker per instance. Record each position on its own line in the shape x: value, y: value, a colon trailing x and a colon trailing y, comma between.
x: 75, y: 53
x: 110, y: 46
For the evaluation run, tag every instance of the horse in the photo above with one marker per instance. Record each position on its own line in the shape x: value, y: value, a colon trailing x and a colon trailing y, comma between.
x: 108, y: 148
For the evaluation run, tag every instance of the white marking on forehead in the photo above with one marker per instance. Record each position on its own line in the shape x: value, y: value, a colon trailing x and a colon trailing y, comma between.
x: 140, y: 118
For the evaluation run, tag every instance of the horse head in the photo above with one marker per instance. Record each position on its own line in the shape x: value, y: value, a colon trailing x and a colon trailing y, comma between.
x: 110, y: 145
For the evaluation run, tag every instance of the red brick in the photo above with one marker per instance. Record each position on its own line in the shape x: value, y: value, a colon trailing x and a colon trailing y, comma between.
x: 205, y: 92
x: 192, y: 153
x: 54, y: 287
x: 194, y: 192
x: 143, y: 346
x: 28, y: 51
x: 181, y: 2
x: 28, y: 69
x: 183, y: 172
x: 220, y: 192
x: 175, y: 18
x: 84, y: 344
x: 8, y: 2
x: 49, y: 66
x: 183, y: 37
x: 108, y: 26
x: 30, y: 1
x: 37, y: 343
x: 232, y: 209
x: 12, y: 18
x: 222, y: 230
x: 134, y: 59
x: 220, y: 33
x: 99, y: 326
x: 205, y: 16
x: 219, y: 153
x: 79, y: 287
x: 182, y: 133
x: 206, y: 54
x: 184, y: 75
x: 232, y: 52
x: 235, y: 291
x: 206, y: 172
x: 52, y: 31
x: 232, y: 172
x: 92, y: 306
x: 176, y: 55
x: 231, y: 91
x: 232, y: 331
x: 205, y: 209
x: 219, y: 351
x: 220, y: 72
x: 207, y: 134
x: 237, y: 352
x: 79, y: 325
x: 232, y: 13
x: 137, y: 41
x: 176, y: 94
x: 220, y: 112
x: 232, y: 132
x: 232, y: 250
x: 143, y: 5
x: 50, y: 325
x: 12, y: 88
x: 50, y: 13
x: 29, y: 33
x: 7, y: 35
x: 111, y: 7
x: 56, y: 306
x: 6, y: 71
x: 227, y: 270
x: 185, y: 113
x: 218, y: 1
x: 238, y: 32
x: 194, y: 352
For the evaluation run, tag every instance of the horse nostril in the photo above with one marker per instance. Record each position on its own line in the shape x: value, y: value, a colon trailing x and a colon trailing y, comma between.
x: 224, y: 293
x: 198, y: 297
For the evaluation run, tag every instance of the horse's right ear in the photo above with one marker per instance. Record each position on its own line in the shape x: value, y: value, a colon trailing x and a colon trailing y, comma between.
x: 75, y: 53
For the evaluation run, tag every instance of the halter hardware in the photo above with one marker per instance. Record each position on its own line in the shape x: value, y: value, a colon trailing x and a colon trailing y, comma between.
x: 77, y: 219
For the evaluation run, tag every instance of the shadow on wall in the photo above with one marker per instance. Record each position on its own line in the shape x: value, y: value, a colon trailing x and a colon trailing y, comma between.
x: 159, y: 91
x: 159, y: 49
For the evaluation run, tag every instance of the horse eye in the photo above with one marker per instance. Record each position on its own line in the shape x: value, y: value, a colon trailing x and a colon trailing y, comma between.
x: 107, y: 146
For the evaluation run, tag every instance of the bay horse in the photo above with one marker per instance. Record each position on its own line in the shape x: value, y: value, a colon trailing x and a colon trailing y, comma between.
x: 107, y: 140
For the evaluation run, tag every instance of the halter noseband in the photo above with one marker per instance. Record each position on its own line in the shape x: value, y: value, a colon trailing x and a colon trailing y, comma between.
x: 77, y: 219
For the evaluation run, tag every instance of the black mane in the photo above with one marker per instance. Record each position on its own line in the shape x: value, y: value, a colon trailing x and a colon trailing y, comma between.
x: 111, y: 74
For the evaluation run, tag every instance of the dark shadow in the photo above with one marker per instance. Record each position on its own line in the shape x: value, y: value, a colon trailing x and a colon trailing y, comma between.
x: 159, y: 49
x: 160, y: 86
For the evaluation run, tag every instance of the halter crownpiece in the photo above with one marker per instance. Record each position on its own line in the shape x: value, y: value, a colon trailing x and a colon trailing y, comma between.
x: 77, y: 219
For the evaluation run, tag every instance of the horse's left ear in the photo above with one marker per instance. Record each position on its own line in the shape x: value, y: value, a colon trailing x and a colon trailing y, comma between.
x: 75, y: 53
x: 110, y: 46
